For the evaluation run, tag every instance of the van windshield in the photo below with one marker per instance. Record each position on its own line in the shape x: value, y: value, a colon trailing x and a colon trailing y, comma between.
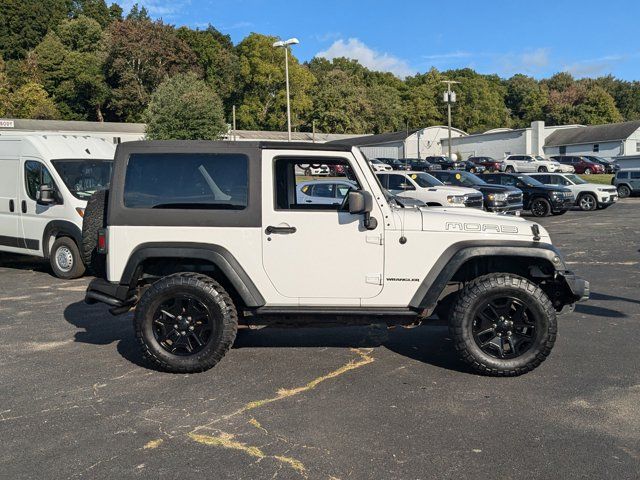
x: 83, y: 177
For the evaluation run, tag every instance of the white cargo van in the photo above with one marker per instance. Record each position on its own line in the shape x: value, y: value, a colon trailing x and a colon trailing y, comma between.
x: 45, y: 182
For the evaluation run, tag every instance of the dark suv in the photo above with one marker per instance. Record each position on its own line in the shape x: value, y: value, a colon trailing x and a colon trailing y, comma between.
x: 490, y: 163
x: 580, y: 164
x: 420, y: 165
x: 445, y: 162
x: 627, y: 182
x: 497, y: 198
x: 395, y: 163
x: 541, y: 199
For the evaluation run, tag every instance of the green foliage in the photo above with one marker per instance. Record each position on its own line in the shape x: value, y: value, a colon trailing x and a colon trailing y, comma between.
x: 525, y: 99
x: 185, y: 108
x: 262, y: 96
x: 94, y: 9
x: 32, y: 101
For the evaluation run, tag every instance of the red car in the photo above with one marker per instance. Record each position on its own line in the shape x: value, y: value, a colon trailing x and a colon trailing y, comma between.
x: 580, y: 164
x: 491, y: 164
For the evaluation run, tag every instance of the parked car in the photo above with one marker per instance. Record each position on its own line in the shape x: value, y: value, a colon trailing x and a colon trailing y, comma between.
x: 580, y: 165
x: 542, y: 200
x: 445, y: 162
x: 323, y: 192
x: 497, y: 198
x: 430, y: 190
x: 491, y: 164
x: 627, y: 182
x: 314, y: 169
x: 395, y: 163
x: 609, y: 165
x: 473, y: 167
x: 420, y: 165
x: 379, y: 166
x: 45, y: 182
x: 532, y: 163
x: 588, y: 196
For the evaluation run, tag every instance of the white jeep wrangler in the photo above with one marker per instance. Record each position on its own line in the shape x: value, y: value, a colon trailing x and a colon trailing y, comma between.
x: 201, y: 236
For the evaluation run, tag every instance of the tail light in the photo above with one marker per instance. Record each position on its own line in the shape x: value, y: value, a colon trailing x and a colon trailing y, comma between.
x: 102, y: 241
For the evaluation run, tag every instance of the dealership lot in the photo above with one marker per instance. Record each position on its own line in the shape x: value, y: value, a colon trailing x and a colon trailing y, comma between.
x: 326, y: 403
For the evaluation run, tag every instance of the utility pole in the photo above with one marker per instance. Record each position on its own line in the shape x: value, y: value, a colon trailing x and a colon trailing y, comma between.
x: 285, y: 44
x: 233, y: 135
x: 449, y: 98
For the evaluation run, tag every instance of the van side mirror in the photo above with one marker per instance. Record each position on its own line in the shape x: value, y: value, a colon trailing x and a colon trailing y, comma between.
x: 361, y: 202
x: 46, y: 195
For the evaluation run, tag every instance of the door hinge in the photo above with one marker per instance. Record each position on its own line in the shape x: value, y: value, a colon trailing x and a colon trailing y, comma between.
x: 374, y: 279
x: 375, y: 239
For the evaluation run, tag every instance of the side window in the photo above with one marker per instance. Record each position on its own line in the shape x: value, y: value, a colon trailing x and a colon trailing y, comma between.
x: 543, y: 179
x: 563, y: 150
x: 294, y: 190
x: 384, y: 180
x: 35, y: 175
x: 400, y: 182
x: 508, y: 180
x: 635, y: 175
x: 596, y: 147
x: 623, y: 175
x: 491, y: 179
x: 187, y: 181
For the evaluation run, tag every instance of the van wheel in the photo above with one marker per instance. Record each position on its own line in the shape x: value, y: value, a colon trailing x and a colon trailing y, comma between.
x: 65, y: 259
x: 185, y: 323
x: 503, y: 325
x: 95, y: 217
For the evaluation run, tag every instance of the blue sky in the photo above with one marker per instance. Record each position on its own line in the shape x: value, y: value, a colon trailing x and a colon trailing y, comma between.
x: 586, y: 38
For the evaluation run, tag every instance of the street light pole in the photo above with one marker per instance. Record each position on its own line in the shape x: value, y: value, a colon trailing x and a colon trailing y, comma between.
x: 449, y: 97
x: 285, y: 44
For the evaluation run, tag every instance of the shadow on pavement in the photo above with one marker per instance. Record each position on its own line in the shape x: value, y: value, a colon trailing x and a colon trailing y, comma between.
x: 98, y: 327
x: 602, y: 296
x: 428, y: 344
x: 598, y: 311
x: 25, y: 262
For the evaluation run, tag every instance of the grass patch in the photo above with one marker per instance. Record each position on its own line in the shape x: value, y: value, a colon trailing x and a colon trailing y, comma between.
x: 604, y: 179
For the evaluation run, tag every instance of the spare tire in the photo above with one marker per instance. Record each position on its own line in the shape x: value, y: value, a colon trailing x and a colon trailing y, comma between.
x: 95, y: 218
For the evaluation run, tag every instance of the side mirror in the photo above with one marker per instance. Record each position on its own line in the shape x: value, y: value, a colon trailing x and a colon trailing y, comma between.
x: 361, y: 202
x: 46, y: 195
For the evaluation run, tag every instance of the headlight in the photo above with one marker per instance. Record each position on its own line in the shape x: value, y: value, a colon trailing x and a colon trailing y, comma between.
x: 456, y: 199
x: 500, y: 197
x: 602, y: 189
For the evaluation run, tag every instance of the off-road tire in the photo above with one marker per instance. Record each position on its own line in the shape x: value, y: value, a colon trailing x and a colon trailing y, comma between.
x: 479, y: 291
x: 68, y: 248
x: 540, y: 207
x: 587, y: 202
x: 623, y: 191
x: 206, y: 290
x: 95, y: 218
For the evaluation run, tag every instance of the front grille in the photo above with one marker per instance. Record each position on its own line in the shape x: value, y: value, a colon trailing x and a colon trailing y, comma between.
x: 514, y: 198
x: 473, y: 201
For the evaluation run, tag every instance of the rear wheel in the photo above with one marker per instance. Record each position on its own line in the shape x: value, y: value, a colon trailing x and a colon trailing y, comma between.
x: 509, y: 169
x: 503, y: 325
x: 587, y: 171
x: 587, y: 202
x: 185, y: 323
x: 65, y: 258
x: 624, y: 191
x: 542, y: 169
x: 540, y: 207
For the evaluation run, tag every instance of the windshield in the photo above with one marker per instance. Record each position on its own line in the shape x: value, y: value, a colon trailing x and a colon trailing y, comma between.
x: 530, y: 182
x: 84, y: 177
x: 576, y: 179
x: 425, y: 180
x: 467, y: 179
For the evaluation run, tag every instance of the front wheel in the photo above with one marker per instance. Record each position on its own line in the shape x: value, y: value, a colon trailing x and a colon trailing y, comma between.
x: 623, y: 191
x: 542, y: 169
x: 503, y: 325
x: 185, y: 323
x: 587, y: 202
x: 587, y: 171
x: 65, y: 258
x: 510, y: 169
x: 540, y: 207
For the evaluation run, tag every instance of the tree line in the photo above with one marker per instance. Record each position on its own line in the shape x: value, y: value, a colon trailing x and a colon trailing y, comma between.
x: 86, y: 60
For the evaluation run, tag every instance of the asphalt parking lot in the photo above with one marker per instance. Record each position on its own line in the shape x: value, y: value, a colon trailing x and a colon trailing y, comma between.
x: 348, y: 403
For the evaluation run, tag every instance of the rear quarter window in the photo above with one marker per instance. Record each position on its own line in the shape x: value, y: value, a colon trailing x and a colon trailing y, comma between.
x: 187, y: 181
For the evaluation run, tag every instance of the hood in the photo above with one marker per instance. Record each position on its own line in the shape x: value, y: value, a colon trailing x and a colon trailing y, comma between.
x: 490, y: 188
x: 453, y: 190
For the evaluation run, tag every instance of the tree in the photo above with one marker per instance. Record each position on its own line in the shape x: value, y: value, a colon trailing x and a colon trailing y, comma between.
x: 32, y: 101
x: 82, y: 34
x: 185, y: 108
x: 138, y: 14
x: 139, y: 55
x: 526, y: 99
x: 24, y: 23
x: 581, y: 103
x: 424, y: 91
x: 216, y: 57
x: 94, y: 9
x: 4, y: 91
x: 261, y: 86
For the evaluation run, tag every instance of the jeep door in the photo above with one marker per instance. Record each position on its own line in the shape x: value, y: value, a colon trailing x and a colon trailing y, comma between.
x: 318, y: 253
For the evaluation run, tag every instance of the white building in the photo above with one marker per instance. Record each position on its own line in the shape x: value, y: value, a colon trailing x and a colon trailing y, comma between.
x: 418, y: 143
x: 109, y: 131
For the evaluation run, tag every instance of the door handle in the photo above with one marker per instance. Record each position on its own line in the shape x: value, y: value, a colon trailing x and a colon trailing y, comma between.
x: 283, y: 230
x: 24, y: 206
x: 12, y: 206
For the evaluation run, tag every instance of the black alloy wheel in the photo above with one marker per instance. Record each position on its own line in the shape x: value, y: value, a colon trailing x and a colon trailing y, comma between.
x: 182, y: 325
x: 540, y: 207
x: 624, y: 191
x: 505, y: 327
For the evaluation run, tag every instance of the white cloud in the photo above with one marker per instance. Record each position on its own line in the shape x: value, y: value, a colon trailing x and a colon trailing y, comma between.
x: 157, y: 8
x: 356, y: 50
x: 537, y: 58
x: 447, y: 56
